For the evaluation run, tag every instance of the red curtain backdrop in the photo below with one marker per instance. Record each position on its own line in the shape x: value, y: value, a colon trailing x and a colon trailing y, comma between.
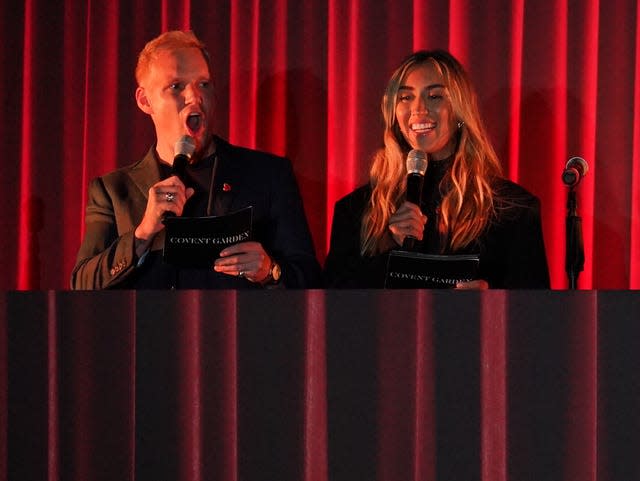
x: 556, y: 79
x: 319, y: 386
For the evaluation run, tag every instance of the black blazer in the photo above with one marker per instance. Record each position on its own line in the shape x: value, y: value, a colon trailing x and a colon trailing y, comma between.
x: 116, y: 205
x: 511, y: 250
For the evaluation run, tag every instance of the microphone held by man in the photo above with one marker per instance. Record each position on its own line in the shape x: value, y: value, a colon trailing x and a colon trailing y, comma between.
x: 184, y: 149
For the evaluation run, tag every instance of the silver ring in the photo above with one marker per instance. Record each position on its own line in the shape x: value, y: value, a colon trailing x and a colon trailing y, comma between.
x: 241, y: 274
x: 169, y: 196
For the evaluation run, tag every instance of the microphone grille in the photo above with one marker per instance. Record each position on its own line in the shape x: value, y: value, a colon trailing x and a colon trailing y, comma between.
x: 417, y: 162
x: 185, y: 146
x: 580, y: 163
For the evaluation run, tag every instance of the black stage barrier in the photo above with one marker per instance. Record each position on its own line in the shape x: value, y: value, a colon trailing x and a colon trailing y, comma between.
x: 320, y: 385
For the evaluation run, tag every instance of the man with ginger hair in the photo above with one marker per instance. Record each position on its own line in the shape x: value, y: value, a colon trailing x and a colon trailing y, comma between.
x: 125, y: 233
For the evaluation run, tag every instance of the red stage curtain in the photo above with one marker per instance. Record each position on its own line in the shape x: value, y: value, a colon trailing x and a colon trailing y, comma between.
x: 319, y: 385
x: 556, y: 79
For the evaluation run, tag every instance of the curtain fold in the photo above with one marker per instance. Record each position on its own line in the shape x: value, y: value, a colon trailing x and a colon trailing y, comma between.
x: 406, y: 391
x: 315, y: 388
x: 219, y: 383
x: 493, y: 378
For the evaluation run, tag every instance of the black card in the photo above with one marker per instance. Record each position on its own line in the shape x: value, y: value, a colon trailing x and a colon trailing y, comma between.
x: 197, y: 241
x: 413, y: 270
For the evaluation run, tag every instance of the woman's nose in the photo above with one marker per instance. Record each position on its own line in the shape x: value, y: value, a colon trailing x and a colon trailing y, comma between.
x: 419, y: 106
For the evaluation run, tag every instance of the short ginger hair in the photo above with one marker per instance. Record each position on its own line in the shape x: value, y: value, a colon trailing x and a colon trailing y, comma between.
x: 168, y: 41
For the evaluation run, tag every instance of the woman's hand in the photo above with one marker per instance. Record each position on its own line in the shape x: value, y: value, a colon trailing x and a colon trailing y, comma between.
x: 480, y: 284
x: 408, y: 220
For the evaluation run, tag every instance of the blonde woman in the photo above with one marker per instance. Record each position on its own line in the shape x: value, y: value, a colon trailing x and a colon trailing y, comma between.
x: 467, y: 207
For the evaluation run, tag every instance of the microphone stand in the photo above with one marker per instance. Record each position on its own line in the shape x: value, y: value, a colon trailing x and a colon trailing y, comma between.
x: 574, y: 260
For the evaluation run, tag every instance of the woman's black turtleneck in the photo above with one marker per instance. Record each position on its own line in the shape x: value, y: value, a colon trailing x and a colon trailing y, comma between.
x: 432, y: 242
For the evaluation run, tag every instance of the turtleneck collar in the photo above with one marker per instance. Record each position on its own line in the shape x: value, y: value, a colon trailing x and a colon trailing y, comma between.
x: 438, y: 168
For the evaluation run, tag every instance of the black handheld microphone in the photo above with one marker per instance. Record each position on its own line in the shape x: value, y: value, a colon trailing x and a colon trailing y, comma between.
x: 574, y: 171
x: 183, y: 149
x: 416, y: 167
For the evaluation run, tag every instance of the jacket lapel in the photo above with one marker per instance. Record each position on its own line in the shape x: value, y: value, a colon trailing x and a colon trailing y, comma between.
x: 223, y: 189
x: 146, y: 172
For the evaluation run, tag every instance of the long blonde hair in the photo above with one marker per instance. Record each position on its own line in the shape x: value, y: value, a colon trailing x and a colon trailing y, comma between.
x: 468, y: 201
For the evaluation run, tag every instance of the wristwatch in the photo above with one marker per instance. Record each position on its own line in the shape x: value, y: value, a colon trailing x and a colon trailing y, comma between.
x: 273, y: 277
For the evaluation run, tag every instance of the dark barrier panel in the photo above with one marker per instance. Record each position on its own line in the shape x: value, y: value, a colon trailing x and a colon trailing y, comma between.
x: 319, y: 385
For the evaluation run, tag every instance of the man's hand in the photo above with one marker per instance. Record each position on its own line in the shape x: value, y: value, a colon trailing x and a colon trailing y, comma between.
x: 168, y: 195
x: 245, y: 259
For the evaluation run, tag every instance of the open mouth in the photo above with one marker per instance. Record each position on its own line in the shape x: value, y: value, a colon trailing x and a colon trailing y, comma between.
x: 423, y: 127
x: 194, y: 121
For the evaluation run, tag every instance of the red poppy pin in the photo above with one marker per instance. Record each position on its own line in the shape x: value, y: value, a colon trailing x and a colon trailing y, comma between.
x: 226, y: 187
